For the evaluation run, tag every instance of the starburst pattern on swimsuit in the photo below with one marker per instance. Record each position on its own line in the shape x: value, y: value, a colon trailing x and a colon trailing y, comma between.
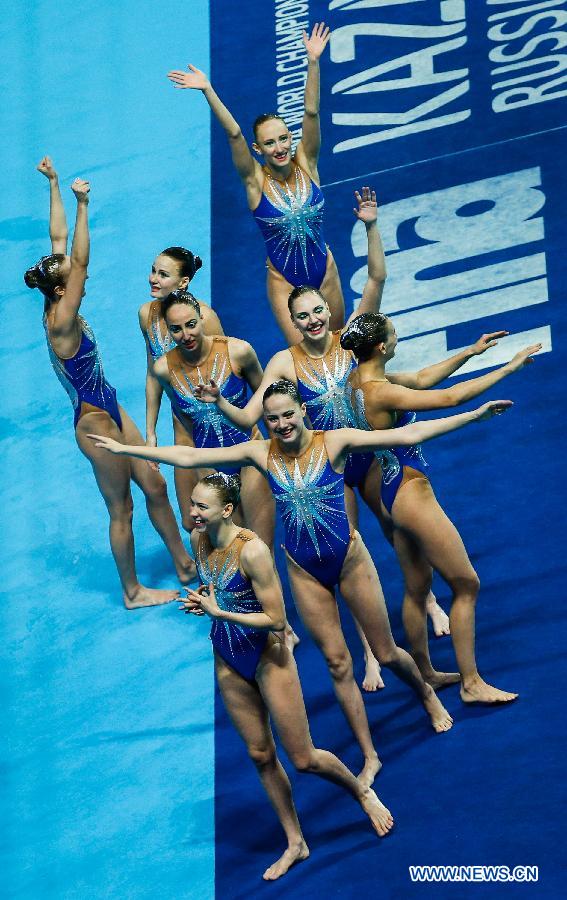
x: 89, y: 373
x: 307, y: 503
x: 207, y: 417
x: 331, y: 407
x: 298, y: 221
x: 388, y: 460
x: 226, y: 579
x: 159, y: 343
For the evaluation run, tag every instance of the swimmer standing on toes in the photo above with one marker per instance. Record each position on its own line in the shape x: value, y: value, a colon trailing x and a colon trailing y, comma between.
x: 255, y: 671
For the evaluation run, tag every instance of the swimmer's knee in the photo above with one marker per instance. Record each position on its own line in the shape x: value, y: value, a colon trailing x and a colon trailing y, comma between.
x: 157, y: 490
x: 263, y: 756
x: 467, y: 585
x: 340, y: 665
x: 121, y: 510
x: 304, y: 761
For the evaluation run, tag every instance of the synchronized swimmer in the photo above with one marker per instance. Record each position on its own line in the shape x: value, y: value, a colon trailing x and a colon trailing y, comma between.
x: 340, y: 426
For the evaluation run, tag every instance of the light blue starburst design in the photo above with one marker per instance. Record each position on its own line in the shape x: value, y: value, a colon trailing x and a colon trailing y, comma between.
x: 331, y: 407
x: 159, y: 343
x: 308, y: 503
x: 299, y: 219
x: 207, y: 419
x: 388, y: 460
x: 89, y: 373
x: 227, y: 580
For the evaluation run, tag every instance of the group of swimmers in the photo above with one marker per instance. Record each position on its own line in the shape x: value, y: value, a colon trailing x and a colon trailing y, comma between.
x: 339, y: 425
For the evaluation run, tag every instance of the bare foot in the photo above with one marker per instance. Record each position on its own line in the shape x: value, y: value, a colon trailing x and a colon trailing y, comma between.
x: 144, y: 596
x: 381, y: 818
x: 478, y: 691
x: 438, y: 616
x: 186, y: 570
x: 372, y: 677
x: 290, y: 638
x: 372, y: 766
x: 292, y: 855
x: 440, y: 718
x: 439, y: 680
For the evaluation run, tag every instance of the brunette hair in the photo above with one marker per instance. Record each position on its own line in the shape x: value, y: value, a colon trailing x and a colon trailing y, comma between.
x: 226, y: 486
x: 282, y: 386
x: 364, y: 333
x: 189, y: 263
x: 300, y: 291
x: 179, y: 296
x: 46, y: 275
x: 265, y: 117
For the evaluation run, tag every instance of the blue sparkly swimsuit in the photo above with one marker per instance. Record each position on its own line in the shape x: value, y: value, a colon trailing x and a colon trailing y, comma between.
x: 393, y: 460
x: 322, y: 386
x: 159, y: 341
x: 311, y: 498
x: 291, y: 222
x: 241, y: 647
x: 82, y: 375
x: 210, y: 427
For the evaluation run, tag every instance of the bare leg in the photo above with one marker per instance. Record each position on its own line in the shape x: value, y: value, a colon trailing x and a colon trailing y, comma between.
x: 417, y: 511
x: 279, y: 289
x: 153, y: 485
x: 112, y: 474
x: 279, y: 685
x: 317, y: 607
x: 372, y: 678
x: 361, y: 589
x: 249, y: 715
x: 258, y: 505
x: 417, y: 577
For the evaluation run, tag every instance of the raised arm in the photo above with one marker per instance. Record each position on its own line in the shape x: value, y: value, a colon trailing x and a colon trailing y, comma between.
x: 258, y: 565
x: 68, y: 306
x: 353, y: 440
x: 395, y: 396
x: 244, y: 162
x: 307, y: 153
x: 58, y: 230
x: 367, y: 212
x: 432, y: 375
x: 248, y: 453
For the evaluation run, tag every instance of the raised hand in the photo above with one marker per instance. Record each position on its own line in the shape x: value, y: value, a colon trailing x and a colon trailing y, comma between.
x: 194, y: 79
x: 207, y: 393
x: 318, y: 41
x: 81, y: 190
x: 524, y: 357
x: 492, y: 408
x: 486, y: 341
x: 367, y: 210
x: 45, y: 166
x: 106, y: 443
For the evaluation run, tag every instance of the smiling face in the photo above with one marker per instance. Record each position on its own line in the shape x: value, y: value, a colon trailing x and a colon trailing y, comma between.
x: 166, y: 277
x: 273, y: 142
x: 284, y: 418
x: 185, y: 326
x: 207, y: 508
x: 310, y: 315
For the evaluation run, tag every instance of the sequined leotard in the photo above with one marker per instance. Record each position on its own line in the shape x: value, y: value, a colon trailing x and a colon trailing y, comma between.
x: 393, y: 460
x: 241, y: 647
x: 322, y: 386
x: 291, y: 221
x: 311, y: 499
x: 210, y: 427
x: 82, y: 375
x: 159, y: 341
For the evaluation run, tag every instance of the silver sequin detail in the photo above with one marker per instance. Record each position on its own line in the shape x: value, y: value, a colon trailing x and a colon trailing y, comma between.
x: 207, y: 415
x: 243, y: 601
x: 299, y: 219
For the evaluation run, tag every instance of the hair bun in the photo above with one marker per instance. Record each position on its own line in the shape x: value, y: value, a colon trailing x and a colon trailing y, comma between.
x: 197, y: 262
x: 30, y: 277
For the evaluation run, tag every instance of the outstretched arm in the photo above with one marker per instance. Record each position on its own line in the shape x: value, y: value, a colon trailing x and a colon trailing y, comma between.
x: 246, y: 454
x: 58, y: 230
x: 307, y: 153
x: 390, y: 396
x: 358, y: 441
x: 367, y: 212
x: 258, y: 565
x: 244, y: 162
x: 432, y: 375
x: 67, y: 307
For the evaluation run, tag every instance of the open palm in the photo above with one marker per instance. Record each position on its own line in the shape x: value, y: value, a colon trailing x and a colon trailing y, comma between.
x: 194, y: 79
